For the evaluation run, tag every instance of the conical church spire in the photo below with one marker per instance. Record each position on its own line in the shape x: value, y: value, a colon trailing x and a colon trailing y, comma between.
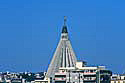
x: 64, y: 55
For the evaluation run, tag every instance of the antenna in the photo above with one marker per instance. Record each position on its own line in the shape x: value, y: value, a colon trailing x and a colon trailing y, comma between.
x: 65, y: 19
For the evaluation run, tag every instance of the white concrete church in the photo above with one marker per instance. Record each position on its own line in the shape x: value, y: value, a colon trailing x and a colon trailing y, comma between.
x: 65, y: 68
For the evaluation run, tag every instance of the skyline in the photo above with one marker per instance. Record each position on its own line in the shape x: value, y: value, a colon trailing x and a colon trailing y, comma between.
x: 30, y: 31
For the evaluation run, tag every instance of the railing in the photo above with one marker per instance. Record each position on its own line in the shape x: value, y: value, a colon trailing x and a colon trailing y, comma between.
x: 60, y: 78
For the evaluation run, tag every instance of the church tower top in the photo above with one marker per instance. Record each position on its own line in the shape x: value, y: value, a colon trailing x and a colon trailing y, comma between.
x: 64, y: 30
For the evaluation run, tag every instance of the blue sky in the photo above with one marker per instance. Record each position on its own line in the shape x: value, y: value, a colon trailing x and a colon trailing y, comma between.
x: 30, y: 31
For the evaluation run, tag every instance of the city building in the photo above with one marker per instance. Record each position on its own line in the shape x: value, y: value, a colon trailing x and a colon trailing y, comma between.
x: 83, y: 74
x: 118, y: 78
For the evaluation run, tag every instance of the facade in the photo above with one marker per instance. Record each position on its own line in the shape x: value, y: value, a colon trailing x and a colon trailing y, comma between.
x: 118, y: 78
x: 83, y: 74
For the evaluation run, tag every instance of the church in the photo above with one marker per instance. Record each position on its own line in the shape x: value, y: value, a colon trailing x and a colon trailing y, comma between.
x: 65, y: 68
